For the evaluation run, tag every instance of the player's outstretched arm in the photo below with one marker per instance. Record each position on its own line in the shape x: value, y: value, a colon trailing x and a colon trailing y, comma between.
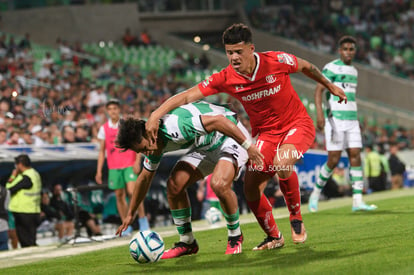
x: 320, y: 118
x: 140, y: 191
x: 314, y: 73
x: 188, y: 96
x: 101, y: 160
x: 228, y: 128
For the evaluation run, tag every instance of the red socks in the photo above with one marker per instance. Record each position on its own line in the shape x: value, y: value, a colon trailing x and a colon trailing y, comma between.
x: 262, y: 209
x: 291, y: 192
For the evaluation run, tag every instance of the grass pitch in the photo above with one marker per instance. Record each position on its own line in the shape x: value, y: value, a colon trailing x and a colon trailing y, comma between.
x: 339, y: 242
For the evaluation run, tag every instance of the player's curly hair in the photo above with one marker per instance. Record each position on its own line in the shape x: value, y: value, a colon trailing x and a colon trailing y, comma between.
x: 130, y: 131
x: 237, y: 33
x: 346, y: 39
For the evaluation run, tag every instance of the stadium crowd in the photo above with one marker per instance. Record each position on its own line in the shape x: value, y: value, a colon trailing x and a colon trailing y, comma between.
x: 57, y: 104
x: 384, y: 29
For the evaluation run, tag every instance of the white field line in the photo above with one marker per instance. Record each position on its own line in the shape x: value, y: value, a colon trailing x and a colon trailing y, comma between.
x: 34, y: 254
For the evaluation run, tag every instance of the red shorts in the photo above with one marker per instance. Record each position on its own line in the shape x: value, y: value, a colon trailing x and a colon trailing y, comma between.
x: 301, y: 135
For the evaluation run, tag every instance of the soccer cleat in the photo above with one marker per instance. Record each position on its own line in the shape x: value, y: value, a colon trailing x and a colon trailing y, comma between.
x: 298, y: 231
x: 313, y: 204
x: 271, y: 243
x: 234, y: 245
x: 180, y: 249
x: 364, y: 207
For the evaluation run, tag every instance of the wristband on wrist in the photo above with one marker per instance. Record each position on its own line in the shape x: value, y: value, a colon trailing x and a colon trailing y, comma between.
x: 246, y: 144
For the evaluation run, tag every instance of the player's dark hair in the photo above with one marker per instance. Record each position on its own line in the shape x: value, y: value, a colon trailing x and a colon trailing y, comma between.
x: 346, y: 39
x: 113, y: 101
x: 237, y: 33
x: 23, y: 159
x: 130, y: 131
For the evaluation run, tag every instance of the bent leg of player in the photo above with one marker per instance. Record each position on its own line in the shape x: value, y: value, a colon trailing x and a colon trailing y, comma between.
x: 232, y: 157
x: 296, y: 142
x: 335, y: 141
x: 354, y: 143
x: 255, y: 182
x: 182, y: 175
x: 324, y: 175
x: 221, y: 182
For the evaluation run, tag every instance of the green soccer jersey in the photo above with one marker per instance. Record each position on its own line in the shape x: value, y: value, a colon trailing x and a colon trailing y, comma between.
x: 182, y: 129
x: 345, y: 77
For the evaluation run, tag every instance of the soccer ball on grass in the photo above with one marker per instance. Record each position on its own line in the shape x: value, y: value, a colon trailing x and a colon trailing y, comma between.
x: 213, y: 215
x: 146, y: 247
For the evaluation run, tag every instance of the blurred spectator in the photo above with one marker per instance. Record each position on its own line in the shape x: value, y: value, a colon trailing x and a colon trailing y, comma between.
x: 65, y: 51
x: 383, y: 28
x: 81, y: 135
x: 68, y: 135
x: 373, y: 169
x: 397, y: 168
x: 178, y: 65
x: 3, y: 136
x: 4, y: 224
x: 25, y: 42
x: 63, y: 208
x: 38, y: 136
x: 25, y: 185
x: 146, y: 38
x: 14, y: 139
x: 48, y: 215
x: 128, y: 39
x: 47, y: 66
x: 97, y: 97
x: 52, y: 219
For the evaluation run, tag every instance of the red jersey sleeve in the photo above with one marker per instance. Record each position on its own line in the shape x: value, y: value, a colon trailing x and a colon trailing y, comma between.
x: 288, y: 62
x: 211, y: 85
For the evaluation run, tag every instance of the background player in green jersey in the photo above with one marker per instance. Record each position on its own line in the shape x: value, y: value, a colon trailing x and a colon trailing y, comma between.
x: 341, y: 125
x: 203, y: 128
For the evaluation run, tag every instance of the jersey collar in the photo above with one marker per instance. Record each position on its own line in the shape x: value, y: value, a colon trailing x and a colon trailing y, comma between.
x: 112, y: 125
x: 256, y: 69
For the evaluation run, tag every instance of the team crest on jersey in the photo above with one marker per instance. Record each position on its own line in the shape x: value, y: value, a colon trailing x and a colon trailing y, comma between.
x: 239, y: 87
x: 271, y: 78
x: 206, y: 82
x: 285, y: 58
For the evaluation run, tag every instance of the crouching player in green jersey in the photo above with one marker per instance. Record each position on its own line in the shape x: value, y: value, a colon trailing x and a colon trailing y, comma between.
x: 217, y: 144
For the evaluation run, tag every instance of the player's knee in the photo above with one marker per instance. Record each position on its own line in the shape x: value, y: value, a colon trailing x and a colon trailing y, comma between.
x: 120, y: 194
x: 173, y: 189
x: 355, y: 159
x: 284, y: 174
x: 219, y: 185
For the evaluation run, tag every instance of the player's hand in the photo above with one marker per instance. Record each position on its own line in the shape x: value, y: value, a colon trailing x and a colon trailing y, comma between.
x: 14, y: 173
x: 320, y: 122
x: 255, y: 156
x: 98, y: 178
x: 335, y: 90
x: 126, y: 222
x: 151, y: 127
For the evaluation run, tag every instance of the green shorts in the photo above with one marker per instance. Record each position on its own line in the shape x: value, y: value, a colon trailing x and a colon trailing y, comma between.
x: 11, y: 221
x: 118, y: 178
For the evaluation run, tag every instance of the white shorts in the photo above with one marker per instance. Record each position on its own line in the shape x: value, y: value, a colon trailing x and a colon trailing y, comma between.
x: 340, y: 135
x: 230, y: 150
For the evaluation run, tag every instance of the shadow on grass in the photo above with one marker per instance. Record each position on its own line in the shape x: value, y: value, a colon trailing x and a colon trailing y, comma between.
x: 265, y: 259
x: 360, y: 213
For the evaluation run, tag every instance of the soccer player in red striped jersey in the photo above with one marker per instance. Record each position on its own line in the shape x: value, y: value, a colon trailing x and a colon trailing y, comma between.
x: 261, y: 82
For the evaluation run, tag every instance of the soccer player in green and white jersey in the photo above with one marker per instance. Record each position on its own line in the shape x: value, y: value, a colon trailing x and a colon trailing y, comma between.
x: 215, y: 141
x: 341, y: 125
